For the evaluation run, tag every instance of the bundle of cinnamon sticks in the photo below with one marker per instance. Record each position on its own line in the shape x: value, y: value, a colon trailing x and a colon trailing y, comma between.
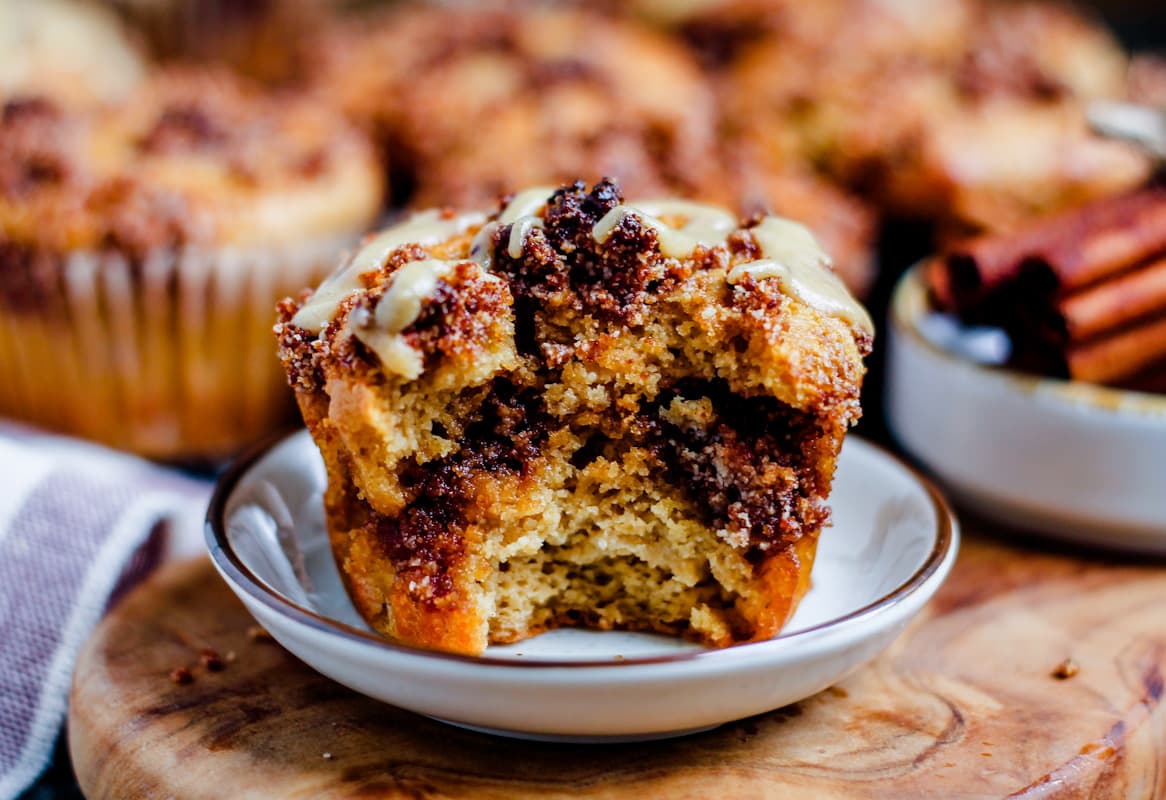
x: 1081, y: 294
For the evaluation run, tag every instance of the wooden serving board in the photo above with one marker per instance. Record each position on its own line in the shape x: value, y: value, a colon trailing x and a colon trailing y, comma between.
x: 965, y: 704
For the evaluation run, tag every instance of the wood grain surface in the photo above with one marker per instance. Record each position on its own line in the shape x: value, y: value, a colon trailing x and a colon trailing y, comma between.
x: 968, y: 703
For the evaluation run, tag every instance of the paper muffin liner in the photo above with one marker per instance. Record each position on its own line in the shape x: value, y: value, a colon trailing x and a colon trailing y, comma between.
x: 172, y: 357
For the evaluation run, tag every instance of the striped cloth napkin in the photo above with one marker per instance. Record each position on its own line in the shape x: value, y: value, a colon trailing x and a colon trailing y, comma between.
x: 79, y: 524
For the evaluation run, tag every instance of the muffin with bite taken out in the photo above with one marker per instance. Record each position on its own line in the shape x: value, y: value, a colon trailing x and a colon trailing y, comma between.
x: 578, y: 411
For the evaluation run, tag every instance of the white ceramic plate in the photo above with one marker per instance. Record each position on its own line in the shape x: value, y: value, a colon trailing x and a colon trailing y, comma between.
x: 1065, y: 459
x: 891, y: 546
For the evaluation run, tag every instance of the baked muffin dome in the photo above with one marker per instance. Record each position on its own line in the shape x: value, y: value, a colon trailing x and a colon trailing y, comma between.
x: 578, y: 412
x: 982, y: 132
x: 192, y: 158
x: 75, y: 52
x: 718, y: 30
x: 473, y: 102
x: 143, y: 243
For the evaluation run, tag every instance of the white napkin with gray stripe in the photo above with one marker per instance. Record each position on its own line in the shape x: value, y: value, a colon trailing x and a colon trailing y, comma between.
x: 79, y: 524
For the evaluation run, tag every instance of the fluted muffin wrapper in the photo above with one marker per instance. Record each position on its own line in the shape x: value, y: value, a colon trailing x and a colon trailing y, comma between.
x: 172, y: 357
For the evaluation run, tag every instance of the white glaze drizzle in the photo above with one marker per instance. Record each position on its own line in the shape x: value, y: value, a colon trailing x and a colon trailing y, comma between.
x: 415, y: 281
x: 525, y: 204
x: 518, y: 233
x: 399, y: 308
x: 424, y: 228
x: 396, y: 355
x: 481, y: 248
x: 792, y: 256
x: 519, y: 212
x: 703, y: 224
x: 412, y: 283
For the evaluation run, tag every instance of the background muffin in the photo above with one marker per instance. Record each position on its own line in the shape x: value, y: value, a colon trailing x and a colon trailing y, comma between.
x: 481, y: 101
x: 718, y: 30
x: 73, y: 51
x: 978, y: 125
x: 143, y: 245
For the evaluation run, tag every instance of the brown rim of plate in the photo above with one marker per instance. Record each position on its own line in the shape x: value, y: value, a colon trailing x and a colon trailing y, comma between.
x: 908, y: 302
x: 228, y: 561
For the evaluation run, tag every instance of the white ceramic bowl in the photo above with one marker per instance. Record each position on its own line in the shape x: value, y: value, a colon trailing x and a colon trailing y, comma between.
x: 892, y: 544
x: 1065, y: 459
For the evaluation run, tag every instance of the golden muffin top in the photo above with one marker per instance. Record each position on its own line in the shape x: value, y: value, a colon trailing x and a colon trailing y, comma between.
x: 189, y: 158
x: 582, y: 277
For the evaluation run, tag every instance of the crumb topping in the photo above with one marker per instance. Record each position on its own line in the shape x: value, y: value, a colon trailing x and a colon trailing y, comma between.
x: 191, y: 157
x: 586, y: 248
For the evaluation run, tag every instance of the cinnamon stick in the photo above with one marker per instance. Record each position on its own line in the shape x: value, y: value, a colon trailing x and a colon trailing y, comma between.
x: 1113, y: 303
x: 1151, y: 380
x: 1120, y: 356
x: 1065, y: 251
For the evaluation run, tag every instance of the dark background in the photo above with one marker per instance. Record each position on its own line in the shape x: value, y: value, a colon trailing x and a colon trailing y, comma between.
x: 1141, y: 24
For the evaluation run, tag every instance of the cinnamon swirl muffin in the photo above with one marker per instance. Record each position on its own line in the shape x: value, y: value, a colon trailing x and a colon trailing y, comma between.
x: 982, y: 132
x: 576, y: 411
x: 471, y: 102
x: 143, y: 244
